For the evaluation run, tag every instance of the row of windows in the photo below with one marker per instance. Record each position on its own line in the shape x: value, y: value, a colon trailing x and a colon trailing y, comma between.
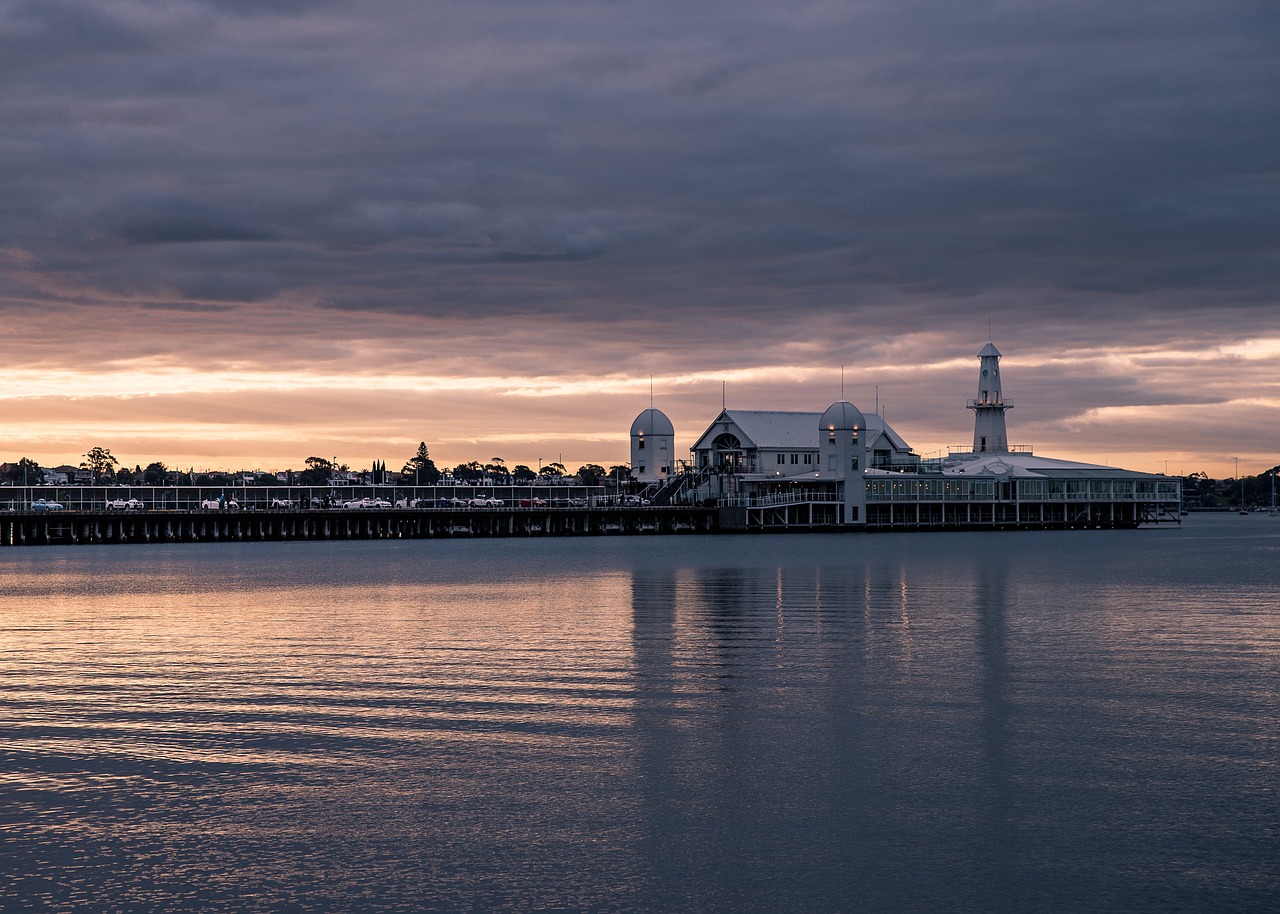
x: 662, y: 444
x: 795, y: 459
x: 1053, y: 490
x: 667, y: 470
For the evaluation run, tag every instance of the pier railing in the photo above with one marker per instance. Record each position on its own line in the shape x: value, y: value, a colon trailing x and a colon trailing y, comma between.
x: 135, y: 499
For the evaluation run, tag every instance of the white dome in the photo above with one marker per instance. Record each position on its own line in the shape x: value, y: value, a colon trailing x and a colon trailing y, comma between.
x: 842, y: 415
x: 652, y: 422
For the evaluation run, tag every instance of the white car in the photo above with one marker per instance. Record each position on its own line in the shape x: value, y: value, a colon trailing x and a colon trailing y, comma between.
x: 481, y: 501
x: 214, y: 504
x: 366, y: 504
x: 41, y: 504
x: 121, y: 504
x: 281, y: 503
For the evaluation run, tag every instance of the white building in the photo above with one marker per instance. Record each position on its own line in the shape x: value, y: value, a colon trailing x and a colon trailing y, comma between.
x: 844, y: 468
x: 653, y: 446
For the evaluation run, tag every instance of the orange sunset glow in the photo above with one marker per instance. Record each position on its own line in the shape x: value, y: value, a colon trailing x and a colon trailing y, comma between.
x: 235, y: 235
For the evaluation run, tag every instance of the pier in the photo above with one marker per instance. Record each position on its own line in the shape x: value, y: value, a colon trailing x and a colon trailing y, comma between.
x: 31, y: 528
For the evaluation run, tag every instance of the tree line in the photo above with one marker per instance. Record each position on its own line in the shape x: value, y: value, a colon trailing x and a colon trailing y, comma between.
x: 105, y: 469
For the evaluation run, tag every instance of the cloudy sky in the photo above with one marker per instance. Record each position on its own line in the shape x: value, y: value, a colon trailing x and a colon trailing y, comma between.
x: 238, y: 233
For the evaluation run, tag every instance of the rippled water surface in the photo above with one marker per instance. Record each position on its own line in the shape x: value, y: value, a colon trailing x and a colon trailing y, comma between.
x: 1066, y: 721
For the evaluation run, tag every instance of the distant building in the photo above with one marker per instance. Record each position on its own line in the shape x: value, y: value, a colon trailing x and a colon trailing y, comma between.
x: 653, y: 446
x: 844, y: 468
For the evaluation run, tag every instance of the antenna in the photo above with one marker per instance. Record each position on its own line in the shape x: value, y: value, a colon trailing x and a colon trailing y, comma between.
x: 723, y: 394
x: 651, y: 391
x: 877, y: 399
x: 988, y: 325
x: 841, y: 382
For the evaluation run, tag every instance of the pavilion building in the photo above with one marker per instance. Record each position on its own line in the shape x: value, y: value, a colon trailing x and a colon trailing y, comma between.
x: 842, y: 468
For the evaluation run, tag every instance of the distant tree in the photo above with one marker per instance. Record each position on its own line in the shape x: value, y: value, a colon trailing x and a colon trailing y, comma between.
x: 619, y: 472
x: 468, y: 472
x: 26, y: 472
x: 100, y: 463
x: 124, y: 476
x: 496, y: 469
x: 552, y: 470
x: 420, y: 469
x: 522, y: 474
x: 590, y: 474
x: 319, y: 472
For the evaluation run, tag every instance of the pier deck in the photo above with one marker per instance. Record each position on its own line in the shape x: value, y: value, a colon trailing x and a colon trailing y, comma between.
x: 33, y: 528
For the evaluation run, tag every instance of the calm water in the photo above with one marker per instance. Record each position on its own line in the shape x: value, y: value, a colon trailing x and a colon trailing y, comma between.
x: 936, y: 722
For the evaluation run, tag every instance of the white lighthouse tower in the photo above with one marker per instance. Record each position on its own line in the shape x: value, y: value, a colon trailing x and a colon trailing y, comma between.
x: 989, y: 433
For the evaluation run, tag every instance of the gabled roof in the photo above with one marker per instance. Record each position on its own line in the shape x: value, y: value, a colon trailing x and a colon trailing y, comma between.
x: 778, y: 430
x: 876, y: 426
x: 773, y: 428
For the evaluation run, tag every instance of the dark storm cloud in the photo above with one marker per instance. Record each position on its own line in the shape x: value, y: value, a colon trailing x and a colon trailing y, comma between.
x: 629, y: 187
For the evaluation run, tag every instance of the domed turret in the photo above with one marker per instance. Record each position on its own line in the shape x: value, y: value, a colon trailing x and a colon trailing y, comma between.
x: 652, y: 422
x: 842, y: 442
x: 653, y: 445
x: 842, y: 416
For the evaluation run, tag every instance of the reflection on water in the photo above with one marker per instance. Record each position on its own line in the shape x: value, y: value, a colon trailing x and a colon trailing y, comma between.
x: 982, y: 722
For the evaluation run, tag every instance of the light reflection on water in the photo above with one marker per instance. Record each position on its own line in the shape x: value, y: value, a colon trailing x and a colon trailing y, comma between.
x: 985, y: 722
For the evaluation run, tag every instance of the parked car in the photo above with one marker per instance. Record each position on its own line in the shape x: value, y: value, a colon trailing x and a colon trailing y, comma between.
x: 634, y: 501
x: 218, y: 504
x: 282, y: 503
x: 532, y: 502
x: 121, y: 504
x: 457, y: 502
x: 482, y: 501
x: 41, y: 504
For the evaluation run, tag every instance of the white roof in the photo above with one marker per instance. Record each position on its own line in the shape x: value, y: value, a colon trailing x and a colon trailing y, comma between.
x: 780, y: 430
x: 1030, y: 465
x: 652, y: 422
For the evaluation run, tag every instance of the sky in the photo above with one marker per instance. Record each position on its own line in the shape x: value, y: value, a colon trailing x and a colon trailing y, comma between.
x: 238, y: 233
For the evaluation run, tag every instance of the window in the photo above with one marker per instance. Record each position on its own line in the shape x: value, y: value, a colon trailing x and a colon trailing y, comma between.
x: 662, y: 444
x: 782, y: 458
x: 641, y: 444
x: 831, y: 437
x: 854, y: 464
x: 795, y: 458
x: 640, y: 468
x: 808, y: 459
x: 831, y: 462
